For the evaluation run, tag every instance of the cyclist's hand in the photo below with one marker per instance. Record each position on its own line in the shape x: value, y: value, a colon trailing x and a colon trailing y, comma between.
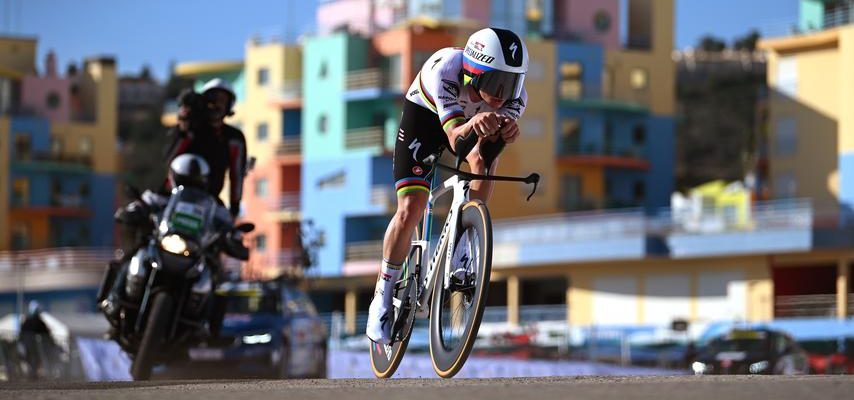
x: 509, y: 130
x: 485, y: 123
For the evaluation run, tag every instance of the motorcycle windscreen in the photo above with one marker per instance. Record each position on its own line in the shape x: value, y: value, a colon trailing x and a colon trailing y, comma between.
x: 189, y: 212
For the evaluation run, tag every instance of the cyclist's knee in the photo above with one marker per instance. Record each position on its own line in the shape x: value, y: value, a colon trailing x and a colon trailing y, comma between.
x: 410, y: 207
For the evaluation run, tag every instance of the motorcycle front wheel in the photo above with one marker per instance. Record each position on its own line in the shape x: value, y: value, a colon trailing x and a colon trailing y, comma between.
x: 154, y: 336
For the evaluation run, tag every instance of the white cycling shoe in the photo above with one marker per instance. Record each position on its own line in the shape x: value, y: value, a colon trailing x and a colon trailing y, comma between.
x: 381, y: 312
x: 461, y: 263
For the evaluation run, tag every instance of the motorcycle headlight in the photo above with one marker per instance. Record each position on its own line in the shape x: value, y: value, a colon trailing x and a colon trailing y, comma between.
x: 758, y: 367
x: 174, y: 244
x: 258, y: 339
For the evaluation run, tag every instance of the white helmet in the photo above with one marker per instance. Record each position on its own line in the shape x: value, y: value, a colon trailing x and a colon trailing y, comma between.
x: 495, y: 61
x: 189, y: 170
x: 220, y: 84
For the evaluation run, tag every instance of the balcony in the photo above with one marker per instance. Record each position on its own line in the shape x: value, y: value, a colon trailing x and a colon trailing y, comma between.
x: 370, y: 84
x: 289, y: 147
x: 610, y: 156
x: 286, y: 207
x: 52, y: 162
x: 361, y: 251
x: 599, y: 101
x: 67, y: 200
x: 287, y: 201
x: 384, y: 196
x: 364, y: 138
x: 286, y: 96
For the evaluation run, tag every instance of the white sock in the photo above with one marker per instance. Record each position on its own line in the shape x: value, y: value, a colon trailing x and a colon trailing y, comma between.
x: 389, y: 274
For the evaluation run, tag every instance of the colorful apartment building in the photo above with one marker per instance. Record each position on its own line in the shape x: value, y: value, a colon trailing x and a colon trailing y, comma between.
x: 57, y: 150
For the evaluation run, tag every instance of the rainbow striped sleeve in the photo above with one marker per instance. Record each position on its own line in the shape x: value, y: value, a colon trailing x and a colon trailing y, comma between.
x: 452, y: 119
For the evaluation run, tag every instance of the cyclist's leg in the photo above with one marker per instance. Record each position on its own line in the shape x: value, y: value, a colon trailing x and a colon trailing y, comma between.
x: 419, y: 136
x: 484, y: 156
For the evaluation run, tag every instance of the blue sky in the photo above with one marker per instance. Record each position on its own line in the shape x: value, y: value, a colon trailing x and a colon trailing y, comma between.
x: 155, y: 32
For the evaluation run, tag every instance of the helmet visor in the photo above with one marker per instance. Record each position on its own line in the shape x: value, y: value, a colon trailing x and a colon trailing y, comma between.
x: 504, y: 85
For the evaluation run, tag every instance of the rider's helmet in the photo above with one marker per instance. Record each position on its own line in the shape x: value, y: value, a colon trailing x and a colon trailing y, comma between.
x: 495, y: 61
x: 34, y: 308
x: 218, y: 84
x: 189, y: 170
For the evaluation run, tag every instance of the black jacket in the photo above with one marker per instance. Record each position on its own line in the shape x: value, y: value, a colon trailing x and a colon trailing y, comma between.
x: 225, y: 150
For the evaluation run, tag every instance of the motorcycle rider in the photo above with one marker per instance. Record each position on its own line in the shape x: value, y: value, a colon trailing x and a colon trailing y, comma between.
x: 33, y: 334
x: 201, y: 131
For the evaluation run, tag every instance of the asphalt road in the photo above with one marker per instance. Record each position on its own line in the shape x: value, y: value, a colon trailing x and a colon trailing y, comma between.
x: 653, y: 388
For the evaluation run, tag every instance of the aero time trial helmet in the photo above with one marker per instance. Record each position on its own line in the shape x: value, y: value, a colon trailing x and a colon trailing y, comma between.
x: 495, y: 61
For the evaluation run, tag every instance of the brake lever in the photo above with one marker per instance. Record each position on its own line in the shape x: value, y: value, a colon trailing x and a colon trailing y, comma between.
x: 535, y: 179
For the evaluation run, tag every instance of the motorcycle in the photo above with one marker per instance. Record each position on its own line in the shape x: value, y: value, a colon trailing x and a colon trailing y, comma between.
x: 169, y: 289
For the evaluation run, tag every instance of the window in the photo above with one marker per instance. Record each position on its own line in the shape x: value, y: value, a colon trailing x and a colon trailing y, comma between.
x: 86, y: 146
x: 639, y: 135
x: 263, y: 76
x: 321, y: 123
x: 20, y: 192
x: 336, y: 179
x: 323, y: 69
x: 532, y: 126
x: 639, y: 192
x: 22, y: 146
x: 55, y: 146
x: 261, y: 189
x: 785, y: 185
x: 570, y: 131
x: 570, y: 80
x: 536, y: 71
x: 52, y: 100
x: 262, y: 132
x: 787, y: 76
x: 786, y: 135
x: 638, y: 78
x: 602, y: 21
x: 261, y: 242
x: 84, y: 190
x: 21, y: 236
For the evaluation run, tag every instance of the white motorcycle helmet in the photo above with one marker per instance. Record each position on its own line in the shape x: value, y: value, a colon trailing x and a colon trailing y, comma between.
x: 189, y: 170
x: 496, y: 61
x: 222, y: 85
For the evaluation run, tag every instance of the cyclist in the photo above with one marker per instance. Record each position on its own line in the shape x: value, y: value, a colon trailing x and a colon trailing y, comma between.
x: 478, y: 90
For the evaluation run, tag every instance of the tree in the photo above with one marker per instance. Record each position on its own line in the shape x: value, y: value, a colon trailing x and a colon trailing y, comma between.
x: 711, y: 44
x: 747, y: 42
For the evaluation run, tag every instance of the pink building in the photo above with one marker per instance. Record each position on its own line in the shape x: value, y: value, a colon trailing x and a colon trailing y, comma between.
x: 358, y: 16
x: 589, y: 21
x: 49, y: 95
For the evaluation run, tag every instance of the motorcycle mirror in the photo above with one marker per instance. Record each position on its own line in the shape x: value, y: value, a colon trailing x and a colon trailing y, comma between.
x: 245, y: 227
x: 132, y: 191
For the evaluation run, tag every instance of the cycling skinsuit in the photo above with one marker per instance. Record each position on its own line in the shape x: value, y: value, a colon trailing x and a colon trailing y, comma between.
x: 436, y: 102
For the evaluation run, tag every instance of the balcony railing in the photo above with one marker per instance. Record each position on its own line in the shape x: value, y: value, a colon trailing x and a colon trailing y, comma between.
x: 67, y: 200
x: 383, y: 196
x: 359, y: 251
x: 607, y: 151
x: 289, y: 90
x: 372, y: 136
x: 370, y: 78
x: 571, y: 227
x: 289, y: 146
x: 287, y: 202
x: 812, y: 305
x: 762, y: 216
x: 51, y: 157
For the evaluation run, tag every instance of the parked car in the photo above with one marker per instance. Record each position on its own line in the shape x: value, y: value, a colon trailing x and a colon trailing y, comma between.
x: 830, y: 356
x: 269, y: 328
x: 751, y: 351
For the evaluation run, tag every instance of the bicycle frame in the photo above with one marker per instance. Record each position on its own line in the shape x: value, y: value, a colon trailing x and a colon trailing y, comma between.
x: 460, y: 189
